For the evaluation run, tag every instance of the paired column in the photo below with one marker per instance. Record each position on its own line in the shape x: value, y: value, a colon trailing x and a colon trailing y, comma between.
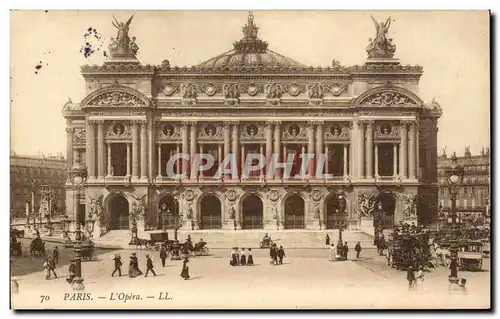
x: 376, y: 161
x: 185, y: 143
x: 100, y: 149
x: 108, y: 149
x: 135, y: 149
x: 403, y: 150
x: 159, y: 159
x: 193, y: 142
x: 277, y: 146
x: 227, y: 140
x: 236, y: 144
x: 144, y: 150
x: 327, y: 160
x: 319, y: 143
x: 310, y: 147
x: 128, y: 158
x: 69, y: 146
x: 345, y: 160
x: 412, y: 151
x: 352, y: 150
x: 369, y: 149
x: 90, y: 149
x: 269, y: 143
x: 361, y: 149
x: 395, y: 161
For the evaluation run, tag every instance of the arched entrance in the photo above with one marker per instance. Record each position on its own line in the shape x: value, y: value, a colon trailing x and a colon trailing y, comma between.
x: 294, y: 212
x: 336, y: 216
x: 118, y: 210
x: 210, y: 211
x: 168, y: 212
x: 385, y: 205
x: 252, y: 210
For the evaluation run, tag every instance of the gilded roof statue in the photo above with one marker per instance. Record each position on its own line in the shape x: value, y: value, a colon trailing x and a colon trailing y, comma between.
x: 122, y: 44
x: 381, y: 46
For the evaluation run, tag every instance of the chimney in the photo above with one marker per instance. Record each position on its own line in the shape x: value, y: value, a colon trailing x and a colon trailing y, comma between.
x: 467, y: 151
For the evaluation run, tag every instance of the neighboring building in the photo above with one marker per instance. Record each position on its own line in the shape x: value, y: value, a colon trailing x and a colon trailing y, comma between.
x: 378, y: 135
x: 473, y: 197
x: 30, y: 176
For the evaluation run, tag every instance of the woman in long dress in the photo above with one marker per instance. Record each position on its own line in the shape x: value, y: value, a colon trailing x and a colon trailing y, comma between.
x: 185, y: 269
x: 243, y: 258
x: 233, y: 261
x: 133, y: 269
x: 250, y: 257
x: 332, y: 252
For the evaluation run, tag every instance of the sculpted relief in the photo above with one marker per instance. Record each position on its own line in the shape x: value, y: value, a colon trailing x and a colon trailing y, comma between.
x: 366, y: 205
x: 117, y: 98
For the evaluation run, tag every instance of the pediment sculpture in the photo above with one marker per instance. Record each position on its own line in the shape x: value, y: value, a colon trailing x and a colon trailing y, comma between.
x: 117, y: 98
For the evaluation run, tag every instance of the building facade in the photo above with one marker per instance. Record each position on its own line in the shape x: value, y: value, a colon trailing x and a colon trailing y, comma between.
x: 34, y: 178
x: 378, y: 137
x: 473, y: 195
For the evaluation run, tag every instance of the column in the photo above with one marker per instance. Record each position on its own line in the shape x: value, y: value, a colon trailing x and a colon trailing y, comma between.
x: 269, y: 143
x: 352, y: 149
x: 411, y: 151
x: 201, y: 153
x: 219, y: 156
x: 417, y: 146
x: 159, y: 160
x: 310, y: 148
x: 242, y: 159
x: 128, y: 159
x: 69, y: 146
x: 376, y: 161
x: 345, y: 160
x: 277, y: 146
x: 227, y: 140
x: 150, y: 158
x: 90, y: 149
x: 185, y: 138
x: 261, y: 171
x: 369, y: 149
x: 100, y: 149
x: 108, y: 147
x: 319, y: 143
x: 135, y: 149
x: 192, y: 141
x: 236, y: 144
x: 403, y: 150
x: 144, y: 150
x: 327, y: 156
x: 395, y: 160
x: 361, y: 150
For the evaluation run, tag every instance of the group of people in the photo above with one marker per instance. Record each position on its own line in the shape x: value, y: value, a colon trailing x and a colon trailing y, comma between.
x: 415, y: 279
x: 243, y: 258
x: 276, y: 254
x: 341, y: 251
x: 134, y: 270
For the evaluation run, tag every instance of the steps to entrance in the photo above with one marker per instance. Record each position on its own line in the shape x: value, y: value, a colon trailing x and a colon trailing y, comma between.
x: 248, y: 238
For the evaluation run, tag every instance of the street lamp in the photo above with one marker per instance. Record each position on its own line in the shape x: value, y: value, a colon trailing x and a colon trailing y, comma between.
x: 341, y: 208
x: 177, y: 220
x: 454, y: 175
x: 78, y: 175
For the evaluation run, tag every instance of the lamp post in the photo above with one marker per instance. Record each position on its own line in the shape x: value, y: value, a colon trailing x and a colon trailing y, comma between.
x: 177, y: 220
x: 454, y: 175
x: 78, y: 174
x: 341, y: 208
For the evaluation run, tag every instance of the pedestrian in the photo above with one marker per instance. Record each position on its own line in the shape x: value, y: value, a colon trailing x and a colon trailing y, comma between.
x: 332, y: 252
x: 357, y: 248
x: 118, y: 266
x: 346, y: 250
x: 50, y: 267
x: 185, y: 269
x: 237, y: 256
x: 72, y: 271
x: 274, y: 254
x: 281, y: 254
x: 233, y: 261
x: 55, y: 255
x: 419, y: 280
x: 133, y: 268
x: 250, y: 257
x: 410, y: 276
x: 243, y: 258
x: 327, y: 240
x: 163, y: 255
x: 149, y: 266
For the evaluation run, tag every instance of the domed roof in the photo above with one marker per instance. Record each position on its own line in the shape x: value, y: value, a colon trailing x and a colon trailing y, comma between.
x: 250, y: 51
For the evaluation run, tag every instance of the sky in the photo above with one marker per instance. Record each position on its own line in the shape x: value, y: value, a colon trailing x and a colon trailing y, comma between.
x: 452, y: 47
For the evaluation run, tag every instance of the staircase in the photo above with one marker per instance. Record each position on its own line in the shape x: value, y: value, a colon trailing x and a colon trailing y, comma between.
x: 246, y: 238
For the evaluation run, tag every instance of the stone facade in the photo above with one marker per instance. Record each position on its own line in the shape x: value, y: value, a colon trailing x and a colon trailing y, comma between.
x: 379, y: 138
x: 473, y: 194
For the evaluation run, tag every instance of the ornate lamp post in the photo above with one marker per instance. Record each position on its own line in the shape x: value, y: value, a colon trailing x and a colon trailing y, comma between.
x: 78, y: 175
x: 341, y: 210
x: 454, y: 177
x: 134, y: 240
x: 177, y: 220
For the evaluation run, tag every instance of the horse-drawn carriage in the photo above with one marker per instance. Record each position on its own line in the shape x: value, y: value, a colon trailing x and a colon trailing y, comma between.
x: 37, y: 247
x: 200, y: 249
x: 266, y: 242
x: 405, y: 250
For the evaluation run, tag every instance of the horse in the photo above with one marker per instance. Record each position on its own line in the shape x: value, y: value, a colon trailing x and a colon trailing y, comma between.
x: 37, y: 247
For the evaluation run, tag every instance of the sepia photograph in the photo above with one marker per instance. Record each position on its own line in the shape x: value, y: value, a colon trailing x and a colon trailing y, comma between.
x: 200, y: 160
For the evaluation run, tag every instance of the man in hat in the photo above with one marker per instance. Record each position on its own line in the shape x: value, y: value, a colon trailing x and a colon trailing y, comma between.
x: 163, y: 255
x: 410, y: 276
x: 357, y: 248
x: 149, y: 266
x: 55, y: 255
x: 118, y: 265
x: 72, y: 271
